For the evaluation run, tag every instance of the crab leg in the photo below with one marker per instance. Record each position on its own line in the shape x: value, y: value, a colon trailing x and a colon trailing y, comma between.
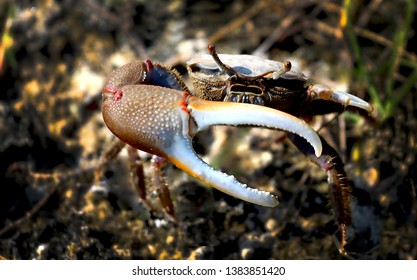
x: 339, y: 189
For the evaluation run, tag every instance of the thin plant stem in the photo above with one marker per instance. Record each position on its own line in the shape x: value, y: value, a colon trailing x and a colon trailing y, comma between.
x: 362, y: 70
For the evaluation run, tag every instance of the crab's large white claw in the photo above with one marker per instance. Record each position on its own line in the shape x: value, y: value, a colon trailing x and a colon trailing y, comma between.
x: 205, y: 113
x: 344, y: 98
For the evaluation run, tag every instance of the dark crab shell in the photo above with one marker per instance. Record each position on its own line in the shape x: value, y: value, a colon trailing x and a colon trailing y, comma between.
x: 256, y: 80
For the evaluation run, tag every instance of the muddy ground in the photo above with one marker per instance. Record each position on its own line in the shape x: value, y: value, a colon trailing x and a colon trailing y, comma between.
x: 55, y: 57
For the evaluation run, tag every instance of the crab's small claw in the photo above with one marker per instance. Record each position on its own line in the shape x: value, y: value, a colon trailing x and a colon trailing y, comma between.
x: 344, y: 98
x: 162, y: 121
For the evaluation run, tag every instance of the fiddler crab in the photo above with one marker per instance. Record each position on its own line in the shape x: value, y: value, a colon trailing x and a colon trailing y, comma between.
x: 148, y: 107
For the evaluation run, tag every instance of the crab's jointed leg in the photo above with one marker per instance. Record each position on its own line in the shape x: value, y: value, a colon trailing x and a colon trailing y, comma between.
x: 339, y: 188
x: 158, y: 180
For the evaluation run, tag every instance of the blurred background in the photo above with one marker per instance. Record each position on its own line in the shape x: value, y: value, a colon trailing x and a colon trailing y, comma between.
x: 55, y: 57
